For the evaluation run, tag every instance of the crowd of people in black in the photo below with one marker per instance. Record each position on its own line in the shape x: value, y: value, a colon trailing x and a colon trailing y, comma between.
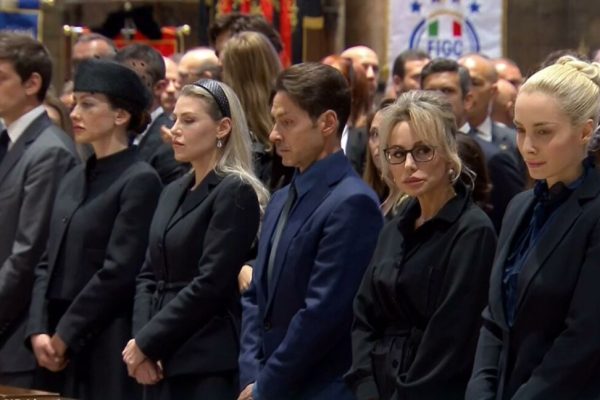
x: 216, y: 226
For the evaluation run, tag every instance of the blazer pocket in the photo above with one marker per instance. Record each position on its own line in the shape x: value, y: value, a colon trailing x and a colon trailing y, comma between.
x: 8, y: 193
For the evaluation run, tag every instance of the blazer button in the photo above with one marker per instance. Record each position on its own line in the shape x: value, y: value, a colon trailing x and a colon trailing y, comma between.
x: 267, y: 325
x: 395, y: 363
x: 64, y: 220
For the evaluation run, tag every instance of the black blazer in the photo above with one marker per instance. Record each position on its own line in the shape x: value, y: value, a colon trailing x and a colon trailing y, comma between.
x: 187, y: 306
x: 159, y: 154
x: 356, y: 148
x: 106, y: 244
x: 552, y: 350
x: 417, y: 312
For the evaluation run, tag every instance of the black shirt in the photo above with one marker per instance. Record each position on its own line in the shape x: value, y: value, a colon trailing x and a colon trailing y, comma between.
x: 418, y: 308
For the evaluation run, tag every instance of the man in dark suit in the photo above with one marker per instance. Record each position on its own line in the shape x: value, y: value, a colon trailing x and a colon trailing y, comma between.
x: 317, y: 238
x: 34, y: 156
x: 498, y: 142
x: 150, y: 66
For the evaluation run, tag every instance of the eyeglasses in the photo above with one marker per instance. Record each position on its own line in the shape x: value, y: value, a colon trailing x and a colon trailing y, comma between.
x: 420, y: 153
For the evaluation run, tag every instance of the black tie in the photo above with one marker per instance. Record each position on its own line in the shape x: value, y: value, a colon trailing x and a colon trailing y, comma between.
x: 4, y: 142
x: 283, y: 217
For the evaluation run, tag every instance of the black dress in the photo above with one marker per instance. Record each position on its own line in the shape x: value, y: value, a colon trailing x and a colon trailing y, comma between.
x: 418, y: 308
x: 84, y: 286
x: 187, y: 307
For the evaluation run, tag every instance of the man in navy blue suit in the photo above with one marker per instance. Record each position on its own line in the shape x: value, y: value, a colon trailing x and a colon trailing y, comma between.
x: 317, y: 238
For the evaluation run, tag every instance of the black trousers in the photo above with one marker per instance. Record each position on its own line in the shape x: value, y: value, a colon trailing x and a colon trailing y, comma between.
x: 205, y: 387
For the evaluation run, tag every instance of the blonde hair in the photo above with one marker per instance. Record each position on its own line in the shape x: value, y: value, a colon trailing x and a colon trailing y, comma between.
x: 574, y: 83
x: 430, y: 117
x: 236, y: 153
x: 250, y: 67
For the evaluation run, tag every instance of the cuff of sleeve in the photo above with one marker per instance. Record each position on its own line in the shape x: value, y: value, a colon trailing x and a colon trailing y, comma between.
x: 255, y: 395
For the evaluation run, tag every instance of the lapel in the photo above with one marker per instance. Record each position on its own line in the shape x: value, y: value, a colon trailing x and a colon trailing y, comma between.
x: 29, y: 136
x: 496, y: 292
x: 69, y: 203
x: 305, y: 205
x: 196, y: 197
x: 565, y: 218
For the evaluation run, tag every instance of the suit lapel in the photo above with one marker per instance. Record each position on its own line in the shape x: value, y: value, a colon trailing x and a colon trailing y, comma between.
x: 300, y: 214
x: 496, y: 291
x: 29, y: 135
x: 196, y: 197
x: 566, y: 216
x: 72, y: 200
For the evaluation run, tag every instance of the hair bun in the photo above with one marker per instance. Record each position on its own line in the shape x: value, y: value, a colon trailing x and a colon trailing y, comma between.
x: 590, y: 70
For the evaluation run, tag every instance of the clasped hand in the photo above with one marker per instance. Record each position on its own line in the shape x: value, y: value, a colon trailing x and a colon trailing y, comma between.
x: 140, y: 367
x: 50, y: 352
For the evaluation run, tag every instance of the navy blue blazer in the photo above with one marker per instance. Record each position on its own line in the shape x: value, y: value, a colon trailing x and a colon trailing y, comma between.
x: 296, y: 332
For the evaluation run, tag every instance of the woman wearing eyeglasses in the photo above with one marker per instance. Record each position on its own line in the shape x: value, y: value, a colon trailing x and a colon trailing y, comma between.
x: 418, y: 308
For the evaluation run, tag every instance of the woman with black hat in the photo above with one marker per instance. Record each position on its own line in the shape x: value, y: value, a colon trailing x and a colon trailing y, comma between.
x: 187, y: 305
x: 80, y: 315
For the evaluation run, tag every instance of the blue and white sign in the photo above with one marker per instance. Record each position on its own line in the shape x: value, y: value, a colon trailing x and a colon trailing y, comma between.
x: 22, y: 16
x: 446, y: 28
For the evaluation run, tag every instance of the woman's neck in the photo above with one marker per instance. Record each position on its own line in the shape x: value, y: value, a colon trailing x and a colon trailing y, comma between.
x: 110, y: 145
x: 431, y: 203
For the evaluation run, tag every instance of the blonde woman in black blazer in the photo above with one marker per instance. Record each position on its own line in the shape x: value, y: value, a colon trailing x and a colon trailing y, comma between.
x: 187, y: 306
x: 541, y: 332
x: 80, y: 314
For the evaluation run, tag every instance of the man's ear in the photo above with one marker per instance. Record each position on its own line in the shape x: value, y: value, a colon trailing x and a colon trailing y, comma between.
x: 33, y: 85
x: 329, y: 123
x: 469, y: 101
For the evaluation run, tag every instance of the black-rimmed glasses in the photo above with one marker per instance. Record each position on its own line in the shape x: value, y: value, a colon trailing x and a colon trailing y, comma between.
x: 419, y: 153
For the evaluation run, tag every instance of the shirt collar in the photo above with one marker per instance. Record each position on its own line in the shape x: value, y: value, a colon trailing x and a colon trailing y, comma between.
x: 449, y: 213
x: 485, y: 130
x: 153, y: 115
x: 17, y: 128
x: 314, y: 175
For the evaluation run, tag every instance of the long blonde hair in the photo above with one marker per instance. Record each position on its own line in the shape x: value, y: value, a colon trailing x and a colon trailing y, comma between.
x: 250, y: 67
x: 236, y: 153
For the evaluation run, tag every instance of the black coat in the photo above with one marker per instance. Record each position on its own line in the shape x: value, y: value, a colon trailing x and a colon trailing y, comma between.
x: 187, y: 306
x: 98, y: 237
x: 159, y: 154
x: 552, y: 350
x: 417, y: 312
x: 356, y: 148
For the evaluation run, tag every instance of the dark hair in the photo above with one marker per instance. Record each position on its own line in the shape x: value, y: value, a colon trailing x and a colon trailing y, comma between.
x: 553, y: 57
x: 472, y: 156
x: 236, y: 23
x: 145, y: 60
x: 27, y: 56
x: 91, y: 37
x: 407, y: 55
x: 65, y: 121
x: 440, y: 65
x: 316, y: 88
x: 139, y: 119
x: 356, y: 77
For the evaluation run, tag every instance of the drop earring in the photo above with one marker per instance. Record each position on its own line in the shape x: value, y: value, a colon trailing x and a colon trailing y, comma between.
x: 219, y: 143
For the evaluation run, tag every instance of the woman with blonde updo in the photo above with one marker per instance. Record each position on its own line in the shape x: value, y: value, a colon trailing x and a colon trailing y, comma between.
x: 540, y: 336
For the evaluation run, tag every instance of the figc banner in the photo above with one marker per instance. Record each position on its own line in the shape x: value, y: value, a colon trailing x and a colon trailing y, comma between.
x: 446, y: 28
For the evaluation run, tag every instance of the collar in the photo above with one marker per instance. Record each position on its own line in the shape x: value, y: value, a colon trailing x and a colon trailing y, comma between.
x: 114, y: 162
x: 484, y: 131
x: 449, y: 213
x: 344, y: 141
x: 153, y: 116
x: 314, y: 175
x: 465, y: 128
x: 17, y: 128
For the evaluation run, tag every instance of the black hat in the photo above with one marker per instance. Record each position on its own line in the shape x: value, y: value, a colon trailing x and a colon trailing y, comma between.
x: 112, y: 79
